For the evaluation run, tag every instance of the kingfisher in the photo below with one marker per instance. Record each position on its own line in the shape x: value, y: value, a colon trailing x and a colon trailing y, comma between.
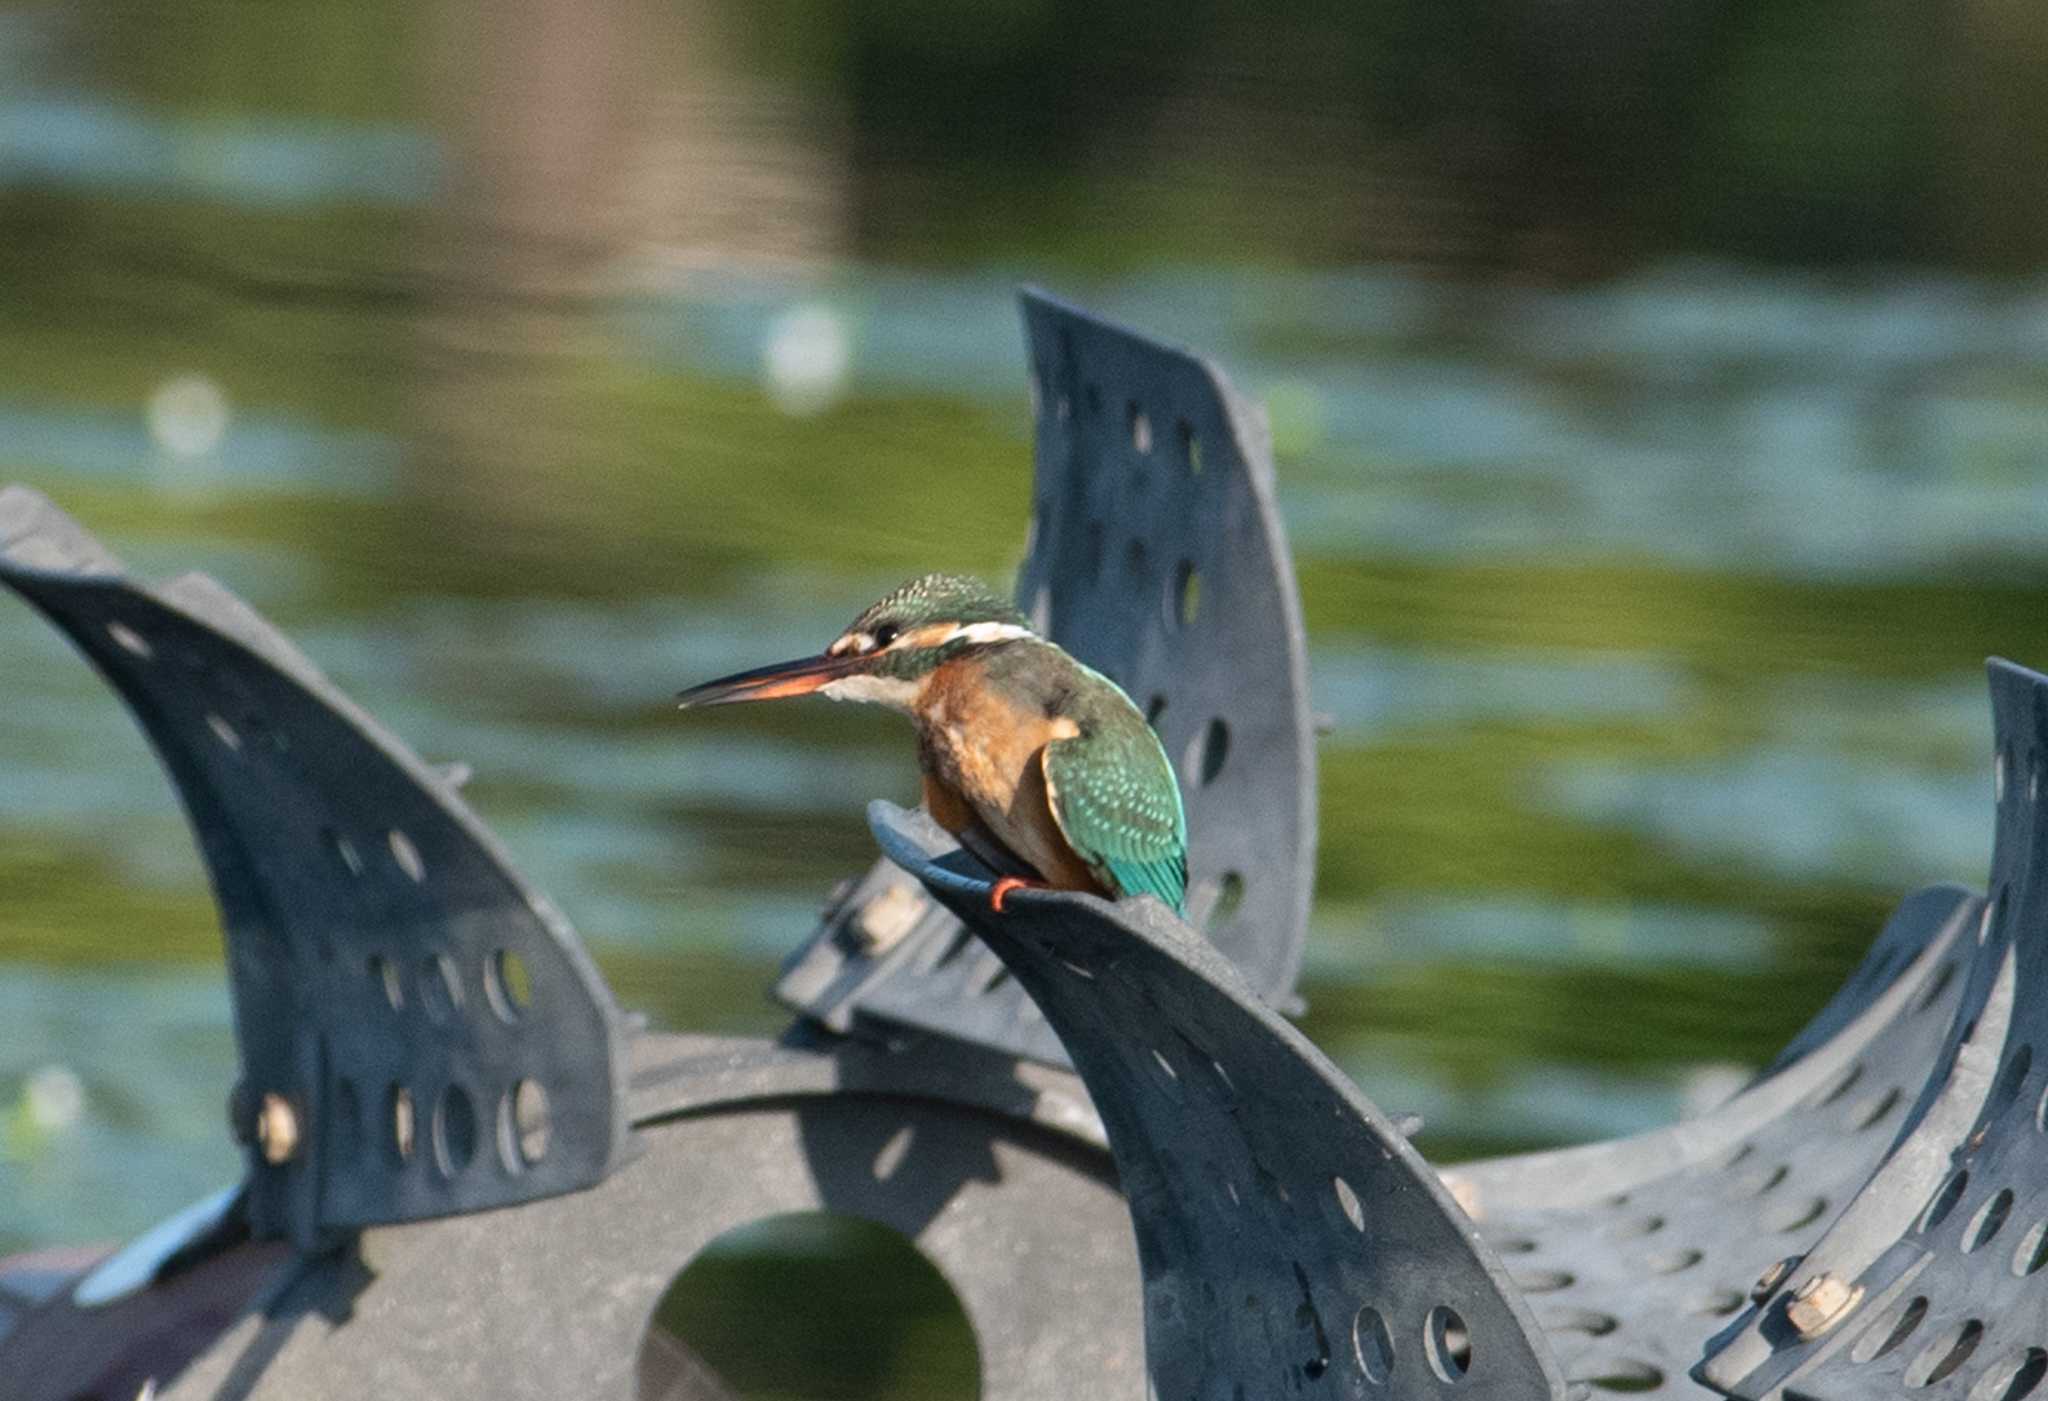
x: 1037, y: 764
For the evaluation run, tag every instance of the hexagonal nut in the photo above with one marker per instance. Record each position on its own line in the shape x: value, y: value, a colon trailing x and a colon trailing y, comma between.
x: 1821, y: 1303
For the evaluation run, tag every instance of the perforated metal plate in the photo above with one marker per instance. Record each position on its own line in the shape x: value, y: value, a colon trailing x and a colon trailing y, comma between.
x: 1157, y: 557
x: 993, y: 1177
x: 1941, y: 1255
x: 1634, y: 1252
x: 1292, y: 1241
x: 430, y: 1025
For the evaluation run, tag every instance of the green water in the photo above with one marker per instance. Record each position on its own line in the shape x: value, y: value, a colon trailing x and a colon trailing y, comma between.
x: 1649, y: 613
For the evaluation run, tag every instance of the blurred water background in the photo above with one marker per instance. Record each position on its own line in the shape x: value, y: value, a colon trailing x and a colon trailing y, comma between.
x: 1660, y: 398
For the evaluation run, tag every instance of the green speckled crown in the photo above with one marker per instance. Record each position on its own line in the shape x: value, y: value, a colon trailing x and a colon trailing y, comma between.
x: 938, y: 598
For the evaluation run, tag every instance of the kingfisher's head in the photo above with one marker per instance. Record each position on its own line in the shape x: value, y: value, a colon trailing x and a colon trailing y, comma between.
x: 886, y: 653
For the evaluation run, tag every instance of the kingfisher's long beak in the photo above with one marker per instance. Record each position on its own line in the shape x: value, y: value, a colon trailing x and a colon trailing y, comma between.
x: 797, y: 678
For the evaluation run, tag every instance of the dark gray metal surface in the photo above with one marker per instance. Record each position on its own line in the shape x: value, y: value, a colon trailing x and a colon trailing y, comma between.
x: 1634, y: 1252
x: 1894, y: 1156
x: 1156, y: 556
x: 985, y: 1166
x: 1947, y: 1241
x: 1292, y: 1241
x: 434, y: 1035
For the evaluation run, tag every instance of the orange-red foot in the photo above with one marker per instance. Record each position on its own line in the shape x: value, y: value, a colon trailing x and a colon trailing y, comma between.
x: 1003, y: 888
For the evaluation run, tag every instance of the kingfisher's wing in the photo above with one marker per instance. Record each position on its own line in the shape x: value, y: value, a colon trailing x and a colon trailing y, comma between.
x: 1114, y: 798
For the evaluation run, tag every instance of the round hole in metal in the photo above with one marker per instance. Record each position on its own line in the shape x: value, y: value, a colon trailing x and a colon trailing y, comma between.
x: 1945, y: 1199
x: 1717, y: 1303
x: 1936, y: 986
x: 2012, y: 1377
x: 1671, y: 1262
x: 1799, y: 1216
x: 384, y: 973
x: 454, y: 1130
x: 1140, y: 424
x: 1940, y: 1358
x: 1373, y: 1345
x: 1993, y: 911
x: 1873, y: 1109
x: 507, y: 985
x: 1844, y: 1080
x: 1447, y: 1343
x: 1591, y: 1322
x: 440, y: 987
x: 1989, y: 1218
x: 1623, y: 1374
x: 1190, y: 447
x: 878, y: 1318
x: 523, y: 1124
x: 1186, y: 599
x: 1155, y: 708
x: 399, y: 1121
x: 1757, y: 1181
x: 1206, y: 753
x: 1229, y: 896
x: 406, y: 855
x: 1348, y: 1200
x: 1891, y: 1329
x: 1635, y: 1227
x: 343, y: 851
x: 131, y: 641
x: 1542, y: 1281
x: 2032, y: 1251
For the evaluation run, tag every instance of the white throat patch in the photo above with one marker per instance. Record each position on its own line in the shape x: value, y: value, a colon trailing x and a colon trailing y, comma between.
x: 891, y: 691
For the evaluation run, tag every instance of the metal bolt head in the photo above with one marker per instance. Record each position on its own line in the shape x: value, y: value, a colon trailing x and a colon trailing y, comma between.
x: 1821, y: 1303
x: 277, y: 1129
x: 1768, y: 1282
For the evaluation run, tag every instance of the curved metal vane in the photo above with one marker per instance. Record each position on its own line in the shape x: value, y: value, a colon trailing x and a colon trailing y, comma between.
x: 1290, y: 1237
x: 421, y: 1032
x: 1156, y: 556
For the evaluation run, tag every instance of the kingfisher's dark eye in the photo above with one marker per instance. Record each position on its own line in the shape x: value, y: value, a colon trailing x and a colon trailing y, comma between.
x: 885, y: 634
